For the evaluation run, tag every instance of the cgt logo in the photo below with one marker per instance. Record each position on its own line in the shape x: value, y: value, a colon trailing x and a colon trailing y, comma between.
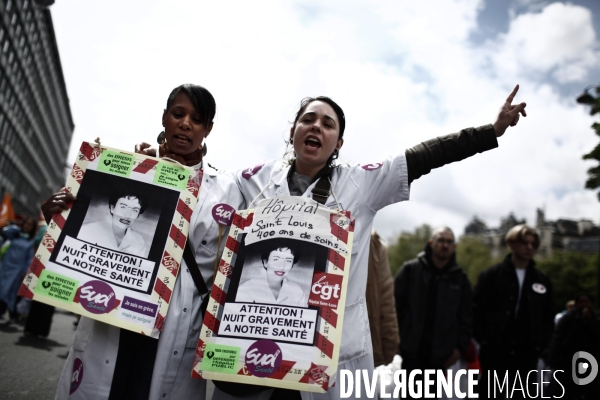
x: 583, y: 363
x: 325, y: 290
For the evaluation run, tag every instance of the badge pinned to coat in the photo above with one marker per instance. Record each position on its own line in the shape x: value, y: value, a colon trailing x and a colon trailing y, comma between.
x: 539, y: 288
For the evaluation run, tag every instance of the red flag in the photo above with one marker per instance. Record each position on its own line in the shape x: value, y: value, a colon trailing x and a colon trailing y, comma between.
x: 7, y: 213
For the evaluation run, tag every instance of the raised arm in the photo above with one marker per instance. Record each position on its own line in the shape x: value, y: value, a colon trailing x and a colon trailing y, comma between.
x: 434, y: 153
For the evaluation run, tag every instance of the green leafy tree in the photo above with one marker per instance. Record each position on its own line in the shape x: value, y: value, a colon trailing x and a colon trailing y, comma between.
x: 473, y: 256
x: 407, y: 246
x: 570, y: 273
x: 593, y: 181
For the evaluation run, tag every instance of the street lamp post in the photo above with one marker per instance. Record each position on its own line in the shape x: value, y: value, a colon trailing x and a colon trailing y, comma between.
x: 588, y: 99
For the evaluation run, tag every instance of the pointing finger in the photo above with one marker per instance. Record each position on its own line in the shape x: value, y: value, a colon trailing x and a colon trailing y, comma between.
x: 512, y: 95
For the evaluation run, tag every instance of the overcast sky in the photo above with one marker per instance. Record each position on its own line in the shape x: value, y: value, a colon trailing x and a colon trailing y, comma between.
x: 403, y: 71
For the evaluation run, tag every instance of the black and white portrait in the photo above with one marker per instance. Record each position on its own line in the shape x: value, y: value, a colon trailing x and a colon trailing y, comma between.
x: 277, y: 271
x: 120, y: 214
x: 120, y: 222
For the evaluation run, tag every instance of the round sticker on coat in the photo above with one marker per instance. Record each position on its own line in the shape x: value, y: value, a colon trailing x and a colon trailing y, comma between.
x: 223, y: 214
x: 372, y: 167
x: 263, y: 358
x: 97, y: 297
x: 248, y: 172
x: 539, y: 288
x: 77, y: 375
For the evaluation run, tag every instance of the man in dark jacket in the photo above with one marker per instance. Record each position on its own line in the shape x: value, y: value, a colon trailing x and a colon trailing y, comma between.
x: 513, y: 317
x: 577, y: 331
x: 433, y: 304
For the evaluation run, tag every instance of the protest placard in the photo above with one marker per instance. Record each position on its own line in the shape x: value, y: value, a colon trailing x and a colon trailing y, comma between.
x: 277, y: 305
x: 115, y: 255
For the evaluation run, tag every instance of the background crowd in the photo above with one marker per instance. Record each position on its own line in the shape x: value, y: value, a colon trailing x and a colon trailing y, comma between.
x: 506, y: 324
x: 18, y: 241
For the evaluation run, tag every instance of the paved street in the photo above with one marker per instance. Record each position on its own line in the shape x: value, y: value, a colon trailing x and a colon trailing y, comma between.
x: 30, y: 367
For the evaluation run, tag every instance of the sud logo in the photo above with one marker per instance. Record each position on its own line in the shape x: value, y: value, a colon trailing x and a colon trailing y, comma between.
x: 325, y: 290
x: 77, y: 375
x: 97, y: 297
x: 249, y: 172
x: 223, y: 214
x: 373, y: 166
x: 263, y: 358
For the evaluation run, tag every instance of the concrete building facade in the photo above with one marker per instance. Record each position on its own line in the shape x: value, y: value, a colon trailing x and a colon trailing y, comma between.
x: 36, y: 124
x: 563, y: 234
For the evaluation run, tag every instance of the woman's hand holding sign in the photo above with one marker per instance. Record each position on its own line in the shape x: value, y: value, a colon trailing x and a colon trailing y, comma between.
x: 56, y: 203
x: 146, y: 149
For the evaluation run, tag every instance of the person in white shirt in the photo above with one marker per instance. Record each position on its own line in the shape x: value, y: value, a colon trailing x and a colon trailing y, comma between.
x: 317, y: 137
x: 106, y: 362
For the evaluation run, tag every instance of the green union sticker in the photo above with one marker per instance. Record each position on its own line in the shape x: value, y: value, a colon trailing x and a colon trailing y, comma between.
x: 171, y: 175
x: 221, y: 358
x: 57, y: 286
x: 116, y: 163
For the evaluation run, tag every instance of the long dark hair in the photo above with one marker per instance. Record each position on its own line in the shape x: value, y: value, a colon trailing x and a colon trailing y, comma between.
x: 33, y: 229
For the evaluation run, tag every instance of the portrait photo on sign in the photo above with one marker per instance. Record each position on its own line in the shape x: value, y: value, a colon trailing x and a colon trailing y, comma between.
x: 117, y: 217
x: 276, y: 271
x: 119, y: 220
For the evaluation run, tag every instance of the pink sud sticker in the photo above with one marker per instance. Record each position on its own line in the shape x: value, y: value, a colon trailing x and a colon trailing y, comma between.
x: 97, y: 297
x: 223, y: 214
x: 248, y: 172
x: 372, y: 167
x: 263, y: 358
x: 77, y: 375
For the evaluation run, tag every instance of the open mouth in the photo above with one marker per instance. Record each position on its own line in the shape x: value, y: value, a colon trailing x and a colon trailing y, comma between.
x: 279, y: 273
x: 125, y: 221
x: 182, y: 139
x: 312, y: 143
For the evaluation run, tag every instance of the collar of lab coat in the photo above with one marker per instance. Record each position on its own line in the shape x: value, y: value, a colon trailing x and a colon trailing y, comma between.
x: 207, y: 181
x: 279, y: 178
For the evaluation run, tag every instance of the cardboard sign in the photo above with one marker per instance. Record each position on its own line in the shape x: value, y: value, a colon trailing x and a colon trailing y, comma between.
x: 114, y: 256
x: 277, y: 304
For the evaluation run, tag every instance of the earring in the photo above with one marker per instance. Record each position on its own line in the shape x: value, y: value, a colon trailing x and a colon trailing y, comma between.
x: 291, y: 140
x: 160, y: 139
x: 335, y: 154
x: 204, y: 149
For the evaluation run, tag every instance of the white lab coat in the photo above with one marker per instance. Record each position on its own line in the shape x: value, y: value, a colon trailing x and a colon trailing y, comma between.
x: 363, y: 190
x: 96, y: 344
